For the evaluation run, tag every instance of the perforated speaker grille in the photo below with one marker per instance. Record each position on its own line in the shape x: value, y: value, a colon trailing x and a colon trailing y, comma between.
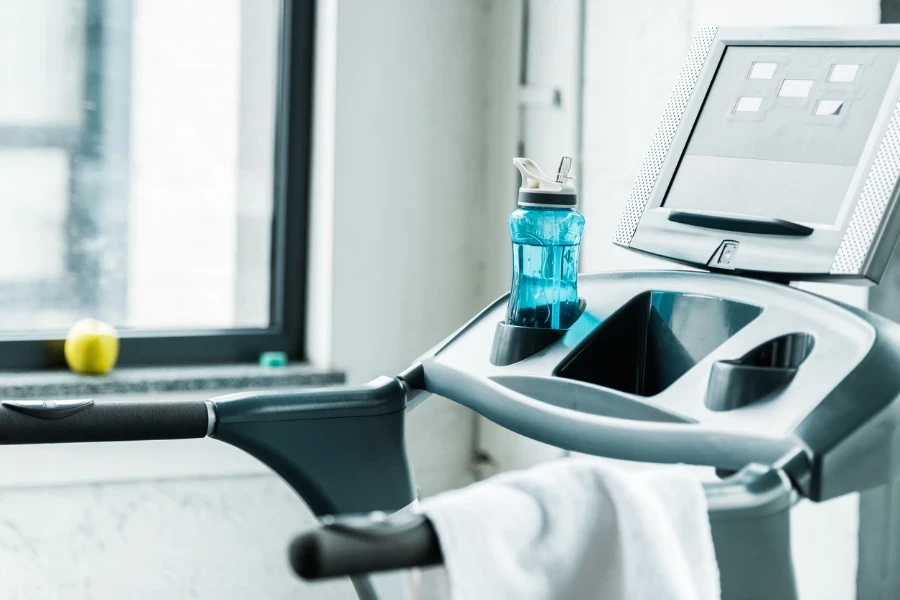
x: 665, y: 133
x: 869, y: 211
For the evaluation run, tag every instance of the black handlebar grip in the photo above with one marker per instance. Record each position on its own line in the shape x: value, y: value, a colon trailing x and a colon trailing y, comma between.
x: 341, y: 549
x: 105, y: 420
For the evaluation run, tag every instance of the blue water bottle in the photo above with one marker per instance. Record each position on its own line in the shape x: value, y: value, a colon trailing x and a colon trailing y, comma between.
x: 546, y: 233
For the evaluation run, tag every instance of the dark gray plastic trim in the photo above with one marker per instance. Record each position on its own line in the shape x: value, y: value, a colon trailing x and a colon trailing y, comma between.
x: 733, y: 385
x: 381, y: 396
x: 547, y: 199
x: 342, y: 449
x: 513, y: 343
x: 739, y: 223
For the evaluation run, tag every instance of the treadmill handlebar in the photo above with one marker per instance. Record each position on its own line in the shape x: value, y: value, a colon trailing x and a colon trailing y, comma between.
x: 102, y: 420
x: 356, y: 545
x: 365, y: 544
x: 38, y: 421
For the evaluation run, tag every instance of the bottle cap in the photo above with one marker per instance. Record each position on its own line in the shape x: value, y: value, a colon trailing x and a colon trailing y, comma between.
x: 539, y: 189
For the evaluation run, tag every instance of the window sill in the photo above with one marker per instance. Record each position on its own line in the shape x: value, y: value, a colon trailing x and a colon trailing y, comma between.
x: 163, y: 380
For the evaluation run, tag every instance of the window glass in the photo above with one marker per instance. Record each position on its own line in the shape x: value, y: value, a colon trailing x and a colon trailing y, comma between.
x: 137, y: 145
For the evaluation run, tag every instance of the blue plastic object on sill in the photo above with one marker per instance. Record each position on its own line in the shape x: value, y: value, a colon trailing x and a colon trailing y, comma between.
x: 273, y: 359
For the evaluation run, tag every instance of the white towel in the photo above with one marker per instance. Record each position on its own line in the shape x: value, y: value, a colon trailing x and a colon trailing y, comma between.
x: 576, y: 529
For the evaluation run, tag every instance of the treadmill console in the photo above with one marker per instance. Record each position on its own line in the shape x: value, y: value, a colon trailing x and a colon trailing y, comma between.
x: 777, y: 156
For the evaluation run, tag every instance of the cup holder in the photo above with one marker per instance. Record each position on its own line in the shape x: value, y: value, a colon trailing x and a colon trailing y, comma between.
x: 765, y: 370
x: 513, y: 343
x: 654, y: 339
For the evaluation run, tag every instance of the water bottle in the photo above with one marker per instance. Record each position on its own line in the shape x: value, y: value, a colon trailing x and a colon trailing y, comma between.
x: 546, y: 233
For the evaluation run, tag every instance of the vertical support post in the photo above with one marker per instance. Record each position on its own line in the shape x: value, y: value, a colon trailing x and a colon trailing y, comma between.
x: 754, y: 557
x: 750, y: 519
x: 879, y: 543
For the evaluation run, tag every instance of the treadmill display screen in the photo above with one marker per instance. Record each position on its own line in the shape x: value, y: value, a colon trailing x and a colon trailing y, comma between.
x: 782, y: 130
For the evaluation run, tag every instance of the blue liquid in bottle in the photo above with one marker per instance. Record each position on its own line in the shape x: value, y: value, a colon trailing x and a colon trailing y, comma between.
x: 546, y: 234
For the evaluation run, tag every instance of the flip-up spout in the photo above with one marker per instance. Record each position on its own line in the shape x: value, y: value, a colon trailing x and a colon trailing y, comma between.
x: 533, y: 178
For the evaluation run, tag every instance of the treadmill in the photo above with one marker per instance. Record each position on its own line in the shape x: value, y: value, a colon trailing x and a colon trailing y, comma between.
x: 776, y: 161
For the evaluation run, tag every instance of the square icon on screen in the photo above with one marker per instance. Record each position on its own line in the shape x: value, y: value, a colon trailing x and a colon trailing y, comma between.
x: 829, y: 107
x: 795, y: 88
x: 748, y: 104
x: 842, y: 73
x: 763, y: 70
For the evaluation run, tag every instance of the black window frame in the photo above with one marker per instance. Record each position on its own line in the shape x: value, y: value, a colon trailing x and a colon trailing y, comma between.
x: 288, y: 266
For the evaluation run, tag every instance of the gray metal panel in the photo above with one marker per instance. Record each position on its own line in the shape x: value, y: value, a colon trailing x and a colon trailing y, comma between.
x: 665, y: 133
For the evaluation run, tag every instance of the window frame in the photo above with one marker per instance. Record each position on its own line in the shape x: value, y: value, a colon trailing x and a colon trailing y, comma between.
x: 288, y: 266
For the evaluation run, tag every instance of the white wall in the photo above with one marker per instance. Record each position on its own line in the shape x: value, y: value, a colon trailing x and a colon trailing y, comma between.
x: 399, y: 239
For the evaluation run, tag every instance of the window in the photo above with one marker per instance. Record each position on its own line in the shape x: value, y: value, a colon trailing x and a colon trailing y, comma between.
x: 153, y: 168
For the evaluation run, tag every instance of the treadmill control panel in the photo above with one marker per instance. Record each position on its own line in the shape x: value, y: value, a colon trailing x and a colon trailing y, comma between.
x: 785, y: 141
